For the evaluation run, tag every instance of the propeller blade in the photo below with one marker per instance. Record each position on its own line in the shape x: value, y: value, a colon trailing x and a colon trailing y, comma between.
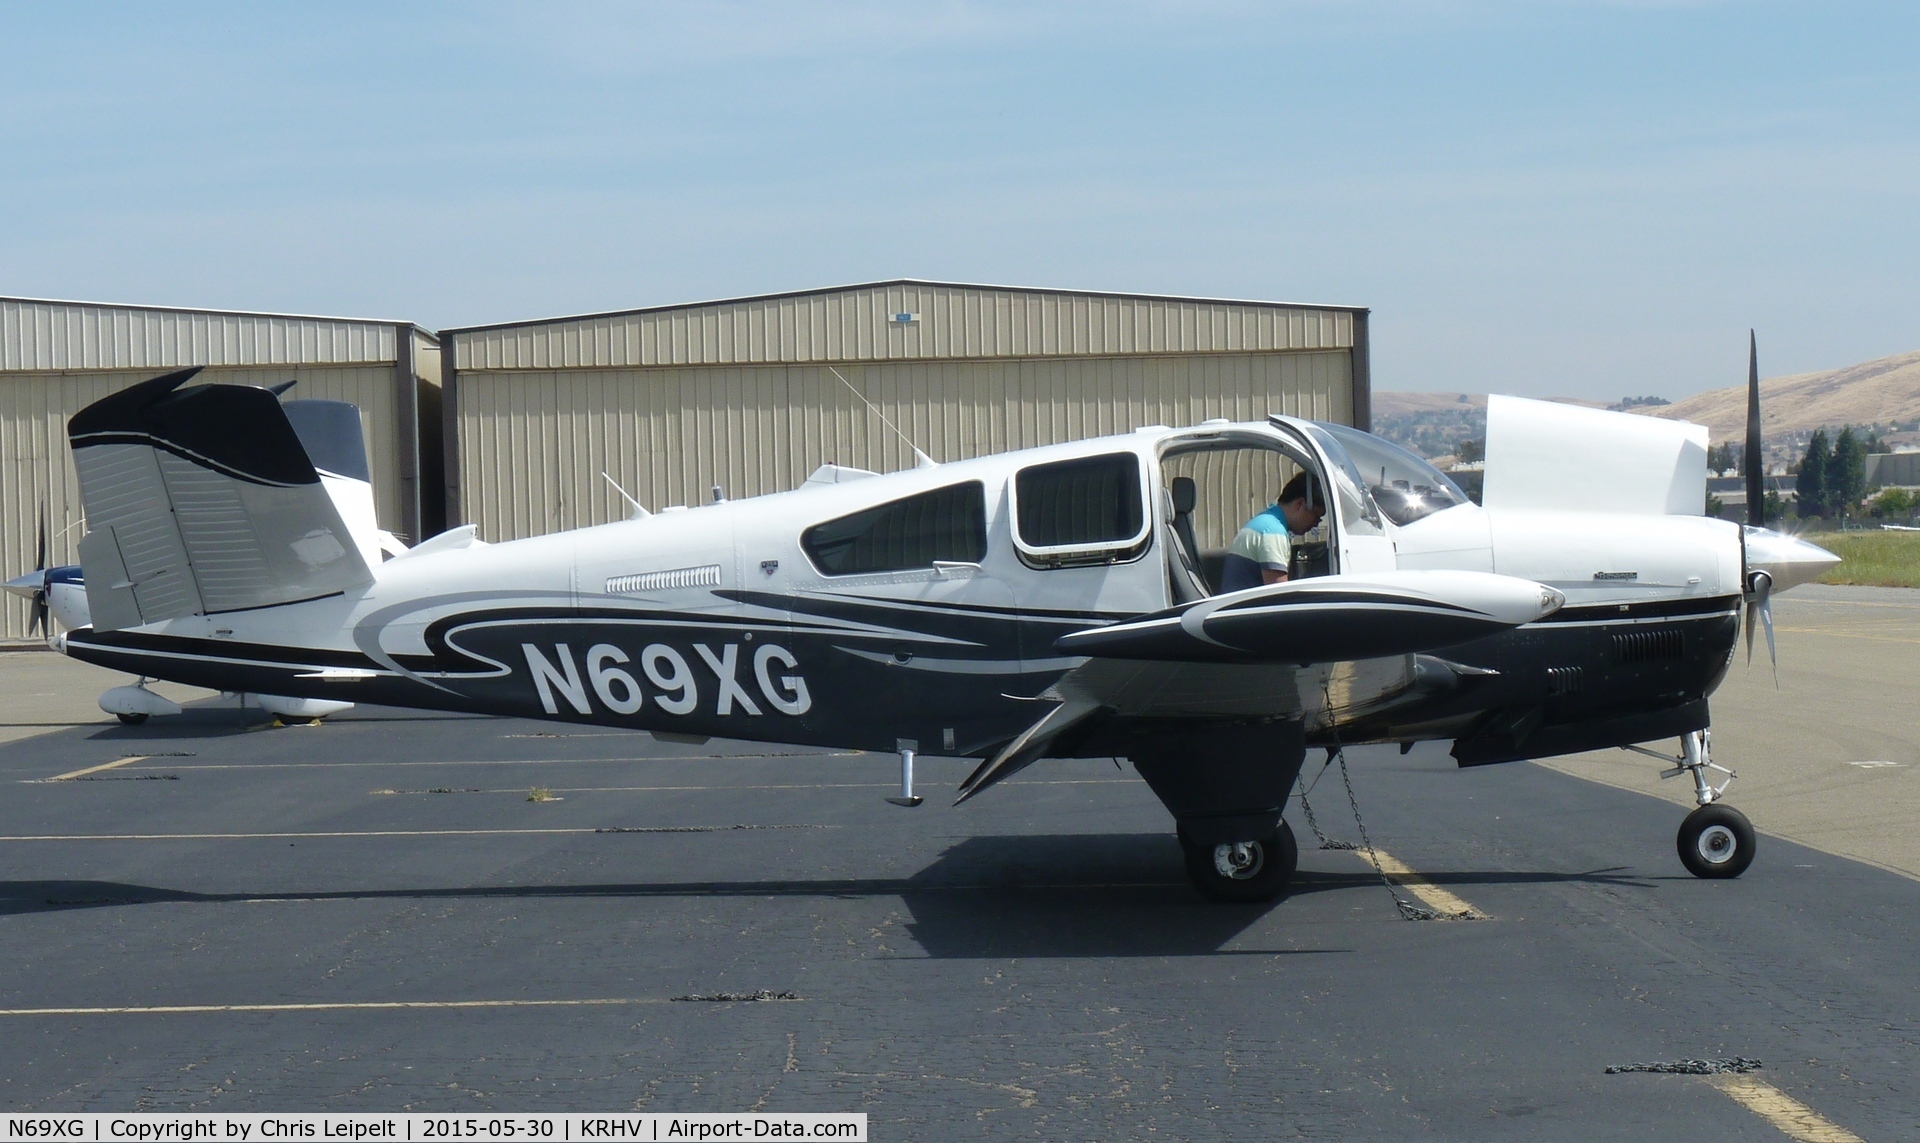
x: 37, y: 621
x: 1753, y: 617
x: 1760, y: 613
x: 1766, y: 619
x: 1753, y: 462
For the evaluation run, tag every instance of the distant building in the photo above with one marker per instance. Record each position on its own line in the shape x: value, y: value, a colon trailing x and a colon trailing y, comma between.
x: 742, y: 393
x: 58, y: 357
x: 1893, y: 470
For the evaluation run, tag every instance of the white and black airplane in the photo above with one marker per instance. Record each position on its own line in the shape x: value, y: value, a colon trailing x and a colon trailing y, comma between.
x: 1050, y: 602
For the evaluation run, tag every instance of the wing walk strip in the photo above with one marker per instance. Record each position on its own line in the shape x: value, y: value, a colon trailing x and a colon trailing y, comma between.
x: 1794, y: 1119
x: 1416, y: 883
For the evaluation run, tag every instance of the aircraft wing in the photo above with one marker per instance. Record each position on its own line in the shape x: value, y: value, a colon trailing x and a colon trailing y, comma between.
x: 1328, y: 619
x: 1324, y: 646
x: 200, y: 501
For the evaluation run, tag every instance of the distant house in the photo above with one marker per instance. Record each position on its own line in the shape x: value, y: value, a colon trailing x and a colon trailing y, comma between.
x: 1731, y: 491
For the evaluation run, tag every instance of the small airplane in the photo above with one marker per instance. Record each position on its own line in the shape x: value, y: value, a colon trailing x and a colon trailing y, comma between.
x: 1049, y: 602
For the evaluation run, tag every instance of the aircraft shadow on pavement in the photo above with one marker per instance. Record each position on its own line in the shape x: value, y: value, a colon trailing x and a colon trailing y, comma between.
x: 225, y: 720
x: 1036, y: 896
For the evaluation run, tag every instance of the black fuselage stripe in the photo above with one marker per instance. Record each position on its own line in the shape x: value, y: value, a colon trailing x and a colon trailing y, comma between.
x: 1652, y: 609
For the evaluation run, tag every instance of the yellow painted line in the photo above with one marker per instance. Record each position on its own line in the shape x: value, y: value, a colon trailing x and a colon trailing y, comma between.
x: 366, y: 1006
x: 1794, y: 1119
x: 72, y: 774
x: 1416, y: 883
x: 379, y: 833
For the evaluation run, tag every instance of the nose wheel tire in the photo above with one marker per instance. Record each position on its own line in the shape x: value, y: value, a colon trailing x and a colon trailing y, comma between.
x: 131, y: 719
x: 1257, y: 869
x: 1716, y: 841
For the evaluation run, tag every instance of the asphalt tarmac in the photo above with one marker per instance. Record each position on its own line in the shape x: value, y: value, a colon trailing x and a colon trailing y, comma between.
x: 373, y: 915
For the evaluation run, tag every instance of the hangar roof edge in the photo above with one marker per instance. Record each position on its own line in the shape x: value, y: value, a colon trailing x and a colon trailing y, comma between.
x: 562, y: 319
x: 215, y: 312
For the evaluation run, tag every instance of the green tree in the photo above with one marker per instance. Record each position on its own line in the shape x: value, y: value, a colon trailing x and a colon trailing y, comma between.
x: 1470, y: 451
x: 1811, y: 485
x: 1846, y: 473
x: 1892, y: 504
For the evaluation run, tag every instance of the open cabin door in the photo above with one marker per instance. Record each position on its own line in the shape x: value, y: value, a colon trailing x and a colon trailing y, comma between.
x: 1213, y: 481
x: 1358, y: 539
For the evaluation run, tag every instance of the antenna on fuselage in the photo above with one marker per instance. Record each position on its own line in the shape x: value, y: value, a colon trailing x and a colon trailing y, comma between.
x: 920, y: 459
x: 638, y: 513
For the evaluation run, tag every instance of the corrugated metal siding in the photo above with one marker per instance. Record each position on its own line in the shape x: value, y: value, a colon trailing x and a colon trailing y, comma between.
x: 533, y: 444
x: 38, y: 335
x: 853, y: 325
x: 36, y: 466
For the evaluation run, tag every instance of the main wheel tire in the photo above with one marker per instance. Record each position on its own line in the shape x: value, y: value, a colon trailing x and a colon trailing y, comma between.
x: 131, y: 719
x: 1248, y: 871
x: 1716, y: 841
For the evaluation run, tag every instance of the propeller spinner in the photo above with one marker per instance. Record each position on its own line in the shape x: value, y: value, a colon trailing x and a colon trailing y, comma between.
x: 33, y: 585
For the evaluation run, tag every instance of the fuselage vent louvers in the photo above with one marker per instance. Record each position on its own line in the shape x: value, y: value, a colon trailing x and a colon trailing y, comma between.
x: 1648, y: 646
x: 1563, y: 680
x: 707, y: 575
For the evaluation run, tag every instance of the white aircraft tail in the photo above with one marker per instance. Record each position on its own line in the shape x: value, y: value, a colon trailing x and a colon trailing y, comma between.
x: 331, y: 433
x: 205, y: 499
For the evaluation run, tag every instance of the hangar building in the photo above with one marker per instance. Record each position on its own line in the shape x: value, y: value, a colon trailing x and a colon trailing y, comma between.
x: 58, y: 357
x: 742, y: 393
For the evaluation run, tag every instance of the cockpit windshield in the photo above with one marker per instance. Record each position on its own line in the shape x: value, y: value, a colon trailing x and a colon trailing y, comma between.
x: 1404, y: 486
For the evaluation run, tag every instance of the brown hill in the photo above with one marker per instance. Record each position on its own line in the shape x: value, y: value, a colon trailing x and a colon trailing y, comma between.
x: 1434, y: 424
x: 1390, y: 404
x: 1402, y: 404
x: 1882, y: 392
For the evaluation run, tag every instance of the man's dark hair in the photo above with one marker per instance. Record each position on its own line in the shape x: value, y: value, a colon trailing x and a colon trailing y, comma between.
x: 1303, y: 486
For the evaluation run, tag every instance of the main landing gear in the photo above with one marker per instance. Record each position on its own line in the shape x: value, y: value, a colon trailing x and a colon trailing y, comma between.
x: 1715, y: 840
x: 1243, y: 871
x: 1226, y: 787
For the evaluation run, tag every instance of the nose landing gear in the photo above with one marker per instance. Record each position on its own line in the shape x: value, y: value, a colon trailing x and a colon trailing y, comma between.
x: 1715, y: 840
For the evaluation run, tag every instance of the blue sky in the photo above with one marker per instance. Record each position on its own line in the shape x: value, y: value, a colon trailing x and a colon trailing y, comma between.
x: 1588, y: 199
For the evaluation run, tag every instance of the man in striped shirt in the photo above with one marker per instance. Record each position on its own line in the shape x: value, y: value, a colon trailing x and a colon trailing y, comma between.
x: 1263, y: 550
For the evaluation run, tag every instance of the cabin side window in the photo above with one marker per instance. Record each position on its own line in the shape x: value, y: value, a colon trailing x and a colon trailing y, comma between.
x: 947, y: 525
x: 1089, y: 510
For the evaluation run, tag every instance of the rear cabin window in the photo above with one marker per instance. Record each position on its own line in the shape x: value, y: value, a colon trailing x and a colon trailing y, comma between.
x: 947, y: 525
x: 1086, y: 510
